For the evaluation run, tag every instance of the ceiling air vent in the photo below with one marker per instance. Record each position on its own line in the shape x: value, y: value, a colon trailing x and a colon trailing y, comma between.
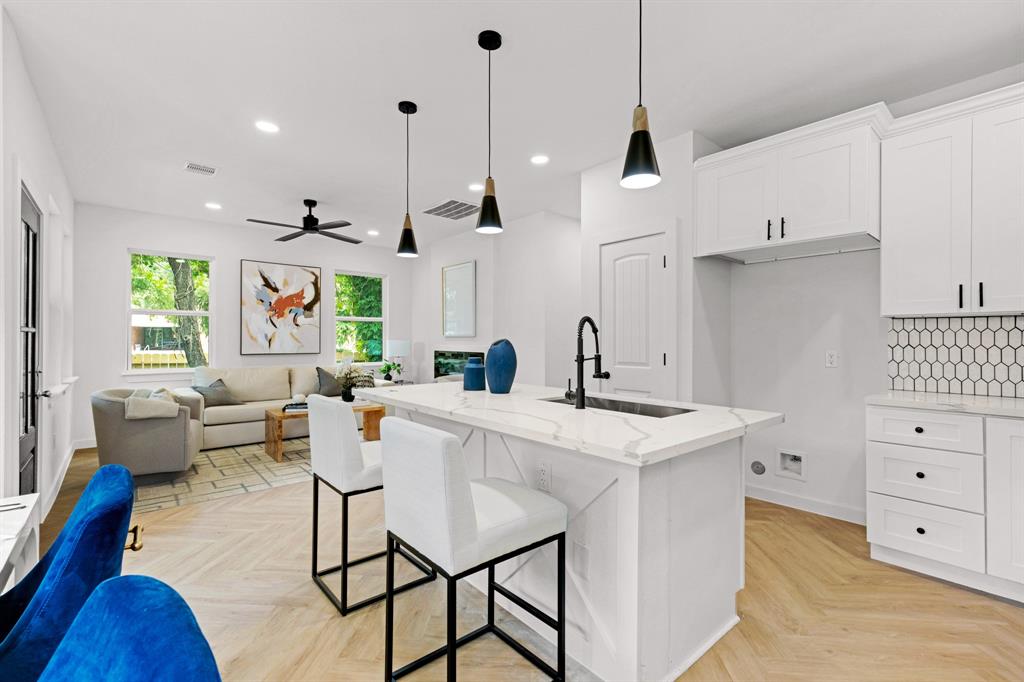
x: 452, y: 209
x: 200, y: 169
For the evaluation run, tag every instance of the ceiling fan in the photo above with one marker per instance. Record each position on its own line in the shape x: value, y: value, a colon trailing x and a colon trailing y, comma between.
x: 311, y: 225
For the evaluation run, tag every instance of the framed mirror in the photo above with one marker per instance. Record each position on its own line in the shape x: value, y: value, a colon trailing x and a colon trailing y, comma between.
x: 458, y: 299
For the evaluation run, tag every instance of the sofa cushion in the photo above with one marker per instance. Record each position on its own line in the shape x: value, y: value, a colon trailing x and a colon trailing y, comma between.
x: 327, y: 383
x: 246, y: 412
x: 216, y: 394
x: 304, y: 380
x: 249, y: 383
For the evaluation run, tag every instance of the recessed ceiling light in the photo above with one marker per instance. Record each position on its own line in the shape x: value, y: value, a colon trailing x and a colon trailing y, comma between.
x: 213, y: 205
x: 372, y: 233
x: 476, y: 187
x: 267, y: 126
x: 539, y: 159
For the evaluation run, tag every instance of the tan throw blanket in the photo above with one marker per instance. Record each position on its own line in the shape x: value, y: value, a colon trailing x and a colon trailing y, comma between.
x: 144, y: 403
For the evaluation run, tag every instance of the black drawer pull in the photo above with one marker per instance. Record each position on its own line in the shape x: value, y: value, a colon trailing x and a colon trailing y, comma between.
x: 769, y: 229
x: 918, y: 429
x: 783, y: 226
x: 920, y: 474
x: 920, y: 531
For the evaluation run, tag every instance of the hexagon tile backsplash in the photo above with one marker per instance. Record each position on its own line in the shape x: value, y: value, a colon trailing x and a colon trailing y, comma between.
x: 966, y: 355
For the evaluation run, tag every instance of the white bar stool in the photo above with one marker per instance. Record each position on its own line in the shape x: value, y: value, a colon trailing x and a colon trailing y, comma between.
x: 458, y: 527
x: 349, y: 467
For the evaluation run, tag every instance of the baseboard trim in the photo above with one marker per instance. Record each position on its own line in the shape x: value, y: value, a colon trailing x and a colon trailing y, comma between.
x: 953, y: 574
x: 702, y: 649
x: 82, y: 444
x: 808, y: 504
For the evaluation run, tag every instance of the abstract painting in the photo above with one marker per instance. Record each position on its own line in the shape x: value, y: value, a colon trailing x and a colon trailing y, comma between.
x: 280, y: 308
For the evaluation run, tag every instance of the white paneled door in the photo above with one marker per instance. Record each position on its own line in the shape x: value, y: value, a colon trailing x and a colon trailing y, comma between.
x: 1005, y: 493
x: 634, y: 336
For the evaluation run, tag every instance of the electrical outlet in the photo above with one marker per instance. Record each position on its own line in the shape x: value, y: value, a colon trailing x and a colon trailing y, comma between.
x: 544, y: 477
x: 831, y: 358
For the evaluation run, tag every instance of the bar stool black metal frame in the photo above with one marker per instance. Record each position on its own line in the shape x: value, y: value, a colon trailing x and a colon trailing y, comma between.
x: 341, y: 601
x: 398, y: 546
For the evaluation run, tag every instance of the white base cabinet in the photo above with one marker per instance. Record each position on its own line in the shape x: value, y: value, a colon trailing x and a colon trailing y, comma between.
x: 945, y: 489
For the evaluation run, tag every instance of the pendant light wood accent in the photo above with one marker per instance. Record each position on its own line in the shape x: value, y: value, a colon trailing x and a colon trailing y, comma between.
x: 407, y: 242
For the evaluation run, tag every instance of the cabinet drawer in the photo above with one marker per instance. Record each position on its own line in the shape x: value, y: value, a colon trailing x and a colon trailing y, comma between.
x: 964, y: 433
x: 946, y: 535
x: 951, y: 479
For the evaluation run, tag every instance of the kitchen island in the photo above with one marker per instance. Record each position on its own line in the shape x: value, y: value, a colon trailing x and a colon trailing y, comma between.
x: 655, y: 538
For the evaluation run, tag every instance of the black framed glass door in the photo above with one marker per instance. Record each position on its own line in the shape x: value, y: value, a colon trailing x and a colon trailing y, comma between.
x: 31, y: 371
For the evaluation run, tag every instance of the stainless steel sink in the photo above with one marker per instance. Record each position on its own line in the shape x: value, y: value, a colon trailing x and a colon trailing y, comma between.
x: 613, y: 405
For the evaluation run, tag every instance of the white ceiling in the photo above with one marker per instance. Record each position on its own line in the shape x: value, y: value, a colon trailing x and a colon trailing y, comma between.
x: 133, y: 90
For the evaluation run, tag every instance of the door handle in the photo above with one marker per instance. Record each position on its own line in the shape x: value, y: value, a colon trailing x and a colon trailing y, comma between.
x: 43, y: 394
x: 769, y: 229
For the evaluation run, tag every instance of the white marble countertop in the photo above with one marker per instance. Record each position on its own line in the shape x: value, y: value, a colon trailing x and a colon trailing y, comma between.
x: 627, y: 438
x: 948, y: 402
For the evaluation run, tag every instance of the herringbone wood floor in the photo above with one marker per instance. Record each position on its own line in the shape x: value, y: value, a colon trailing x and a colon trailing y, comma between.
x: 815, y: 607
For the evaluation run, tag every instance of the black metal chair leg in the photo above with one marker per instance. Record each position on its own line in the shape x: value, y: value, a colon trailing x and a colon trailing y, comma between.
x: 561, y: 607
x: 490, y: 595
x: 452, y: 635
x: 344, y: 554
x: 389, y: 610
x: 316, y: 520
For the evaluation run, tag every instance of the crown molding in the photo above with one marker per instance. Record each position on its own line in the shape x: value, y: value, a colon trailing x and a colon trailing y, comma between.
x: 964, y: 107
x: 876, y: 116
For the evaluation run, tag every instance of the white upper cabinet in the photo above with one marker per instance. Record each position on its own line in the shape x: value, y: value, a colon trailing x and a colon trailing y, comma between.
x: 737, y: 201
x: 926, y: 220
x: 829, y: 185
x: 953, y: 209
x: 997, y: 224
x: 808, y: 191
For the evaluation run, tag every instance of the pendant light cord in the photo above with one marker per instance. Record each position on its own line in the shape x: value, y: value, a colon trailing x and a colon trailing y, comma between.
x: 640, y: 61
x: 407, y: 164
x: 488, y: 113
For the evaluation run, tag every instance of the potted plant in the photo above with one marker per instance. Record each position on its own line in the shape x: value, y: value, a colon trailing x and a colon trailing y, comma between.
x: 388, y: 367
x: 353, y: 377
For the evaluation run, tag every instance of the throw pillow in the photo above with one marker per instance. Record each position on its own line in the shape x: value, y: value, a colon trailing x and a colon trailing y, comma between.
x: 329, y: 384
x: 217, y: 394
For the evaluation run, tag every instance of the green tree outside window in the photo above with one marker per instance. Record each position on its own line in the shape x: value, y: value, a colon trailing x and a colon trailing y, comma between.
x: 359, y: 317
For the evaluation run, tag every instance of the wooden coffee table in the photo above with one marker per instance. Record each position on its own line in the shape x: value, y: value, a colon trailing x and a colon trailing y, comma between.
x: 276, y: 417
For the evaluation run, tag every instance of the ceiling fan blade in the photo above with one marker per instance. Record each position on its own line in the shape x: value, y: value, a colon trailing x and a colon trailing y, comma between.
x: 289, y: 237
x: 333, y: 224
x: 341, y: 238
x: 267, y: 222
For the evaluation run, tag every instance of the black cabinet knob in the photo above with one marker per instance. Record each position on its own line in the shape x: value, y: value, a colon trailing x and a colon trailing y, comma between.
x: 918, y: 429
x: 920, y: 531
x: 920, y: 474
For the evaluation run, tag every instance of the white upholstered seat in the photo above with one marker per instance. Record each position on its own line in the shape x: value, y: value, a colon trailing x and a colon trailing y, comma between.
x: 336, y: 453
x: 430, y: 503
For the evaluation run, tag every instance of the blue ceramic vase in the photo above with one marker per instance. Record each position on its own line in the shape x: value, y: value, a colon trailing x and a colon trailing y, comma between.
x: 501, y: 366
x: 473, y: 375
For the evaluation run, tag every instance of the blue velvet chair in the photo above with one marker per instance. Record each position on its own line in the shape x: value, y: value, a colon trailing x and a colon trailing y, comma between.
x: 133, y: 629
x: 35, y: 613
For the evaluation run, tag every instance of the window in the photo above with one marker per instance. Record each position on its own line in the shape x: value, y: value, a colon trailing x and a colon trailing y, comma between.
x: 169, y: 315
x: 359, y: 317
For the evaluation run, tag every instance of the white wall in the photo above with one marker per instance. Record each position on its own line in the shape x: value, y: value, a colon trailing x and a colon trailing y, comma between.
x: 527, y: 291
x: 785, y: 315
x: 105, y: 236
x: 29, y: 158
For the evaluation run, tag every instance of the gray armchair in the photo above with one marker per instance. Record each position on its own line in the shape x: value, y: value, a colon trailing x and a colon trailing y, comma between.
x: 144, y: 446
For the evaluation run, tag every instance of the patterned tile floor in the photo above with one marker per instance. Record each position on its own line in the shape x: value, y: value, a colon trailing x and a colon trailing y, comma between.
x: 225, y: 472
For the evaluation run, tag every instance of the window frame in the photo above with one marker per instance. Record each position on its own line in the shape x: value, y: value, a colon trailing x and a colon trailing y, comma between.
x: 170, y: 372
x: 383, y: 319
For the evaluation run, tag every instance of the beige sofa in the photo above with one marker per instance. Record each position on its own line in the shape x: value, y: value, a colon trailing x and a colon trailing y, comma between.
x: 260, y: 388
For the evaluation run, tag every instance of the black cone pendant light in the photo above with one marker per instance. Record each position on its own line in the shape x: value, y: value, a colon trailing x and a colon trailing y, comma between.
x: 407, y: 242
x: 641, y: 167
x: 489, y: 220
